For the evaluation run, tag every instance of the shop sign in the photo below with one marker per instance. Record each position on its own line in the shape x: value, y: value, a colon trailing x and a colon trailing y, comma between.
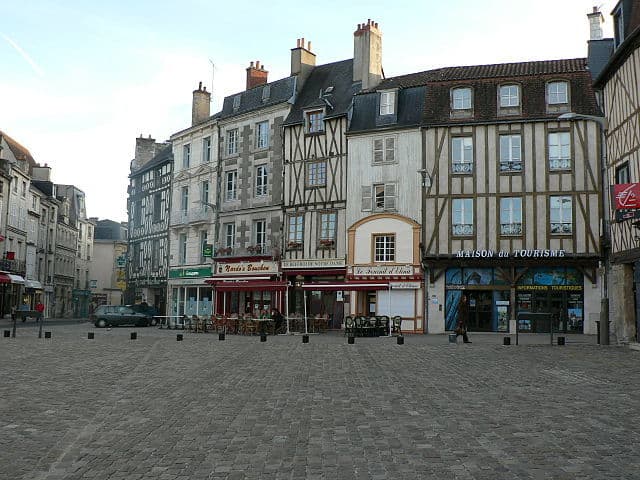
x: 207, y: 250
x: 506, y: 254
x: 565, y: 288
x: 626, y: 196
x: 242, y: 268
x: 190, y: 272
x: 382, y: 270
x: 121, y: 261
x: 314, y: 263
x: 404, y: 285
x: 93, y: 283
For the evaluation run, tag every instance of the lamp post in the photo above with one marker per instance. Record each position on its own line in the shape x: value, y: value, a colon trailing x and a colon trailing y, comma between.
x: 604, y: 302
x: 426, y: 183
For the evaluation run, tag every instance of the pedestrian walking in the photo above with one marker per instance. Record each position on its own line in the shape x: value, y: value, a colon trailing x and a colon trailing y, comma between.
x: 463, y: 316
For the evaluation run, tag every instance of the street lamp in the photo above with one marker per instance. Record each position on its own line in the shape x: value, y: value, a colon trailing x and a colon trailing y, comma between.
x: 604, y: 303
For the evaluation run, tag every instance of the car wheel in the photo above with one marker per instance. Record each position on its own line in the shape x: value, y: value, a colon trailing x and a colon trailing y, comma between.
x: 101, y: 323
x: 153, y: 322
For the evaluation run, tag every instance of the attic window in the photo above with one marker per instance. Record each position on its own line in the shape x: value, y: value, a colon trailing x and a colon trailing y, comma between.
x: 266, y: 93
x: 315, y: 121
x: 618, y: 26
x: 236, y: 102
x: 387, y: 103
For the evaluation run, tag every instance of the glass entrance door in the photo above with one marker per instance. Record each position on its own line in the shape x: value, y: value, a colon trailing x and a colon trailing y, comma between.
x: 480, y: 310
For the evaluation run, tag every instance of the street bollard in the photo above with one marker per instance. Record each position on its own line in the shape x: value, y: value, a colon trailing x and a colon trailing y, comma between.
x: 453, y: 338
x: 221, y: 336
x: 400, y: 340
x: 305, y: 338
x: 178, y: 337
x: 351, y: 340
x: 134, y: 335
x: 506, y: 341
x: 263, y: 337
x: 7, y: 333
x: 47, y: 334
x: 90, y: 335
x: 561, y: 341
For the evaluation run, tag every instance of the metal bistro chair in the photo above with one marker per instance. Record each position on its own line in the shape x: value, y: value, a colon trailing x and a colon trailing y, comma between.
x: 397, y: 325
x: 349, y: 326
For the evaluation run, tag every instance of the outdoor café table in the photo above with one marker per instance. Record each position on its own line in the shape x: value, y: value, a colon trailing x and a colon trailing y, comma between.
x: 263, y: 323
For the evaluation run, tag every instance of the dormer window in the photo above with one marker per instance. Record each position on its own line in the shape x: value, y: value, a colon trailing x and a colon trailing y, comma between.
x: 388, y: 103
x: 509, y: 96
x: 266, y: 93
x: 618, y: 26
x: 236, y: 102
x: 461, y: 98
x: 315, y: 121
x: 557, y: 93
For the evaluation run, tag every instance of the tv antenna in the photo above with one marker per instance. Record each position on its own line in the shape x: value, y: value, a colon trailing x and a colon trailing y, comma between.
x: 213, y: 70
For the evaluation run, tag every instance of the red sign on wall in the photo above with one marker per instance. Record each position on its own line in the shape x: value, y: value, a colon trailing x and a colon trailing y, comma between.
x: 626, y: 196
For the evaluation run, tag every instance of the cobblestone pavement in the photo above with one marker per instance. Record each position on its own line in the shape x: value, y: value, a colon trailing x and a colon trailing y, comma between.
x: 115, y: 408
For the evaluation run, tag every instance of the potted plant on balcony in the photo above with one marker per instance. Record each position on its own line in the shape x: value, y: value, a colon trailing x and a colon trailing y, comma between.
x: 293, y: 245
x: 326, y: 242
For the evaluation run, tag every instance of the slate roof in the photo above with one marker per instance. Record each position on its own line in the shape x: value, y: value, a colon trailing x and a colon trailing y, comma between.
x: 600, y: 52
x: 280, y: 91
x: 338, y: 75
x: 410, y: 108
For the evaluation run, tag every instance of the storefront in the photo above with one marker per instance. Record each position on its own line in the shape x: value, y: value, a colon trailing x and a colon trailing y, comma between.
x: 320, y: 301
x: 188, y: 292
x: 248, y: 288
x: 499, y: 288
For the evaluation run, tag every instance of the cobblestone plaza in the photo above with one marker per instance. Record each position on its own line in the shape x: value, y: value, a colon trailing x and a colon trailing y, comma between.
x: 115, y: 408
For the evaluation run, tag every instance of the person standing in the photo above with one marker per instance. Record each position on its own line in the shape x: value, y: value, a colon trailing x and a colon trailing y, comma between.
x: 463, y: 317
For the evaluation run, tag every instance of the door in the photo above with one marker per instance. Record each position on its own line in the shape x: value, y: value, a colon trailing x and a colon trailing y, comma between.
x: 480, y: 310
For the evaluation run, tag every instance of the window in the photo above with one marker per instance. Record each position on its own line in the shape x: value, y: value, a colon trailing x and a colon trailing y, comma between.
x: 260, y: 234
x: 294, y: 231
x: 316, y: 174
x: 328, y: 229
x: 232, y: 142
x: 155, y: 254
x: 137, y: 213
x: 231, y: 192
x: 618, y: 26
x: 511, y: 216
x: 266, y: 93
x: 262, y: 135
x: 236, y: 102
x: 384, y: 248
x: 315, y: 121
x: 557, y: 93
x: 184, y: 199
x: 229, y: 235
x: 182, y: 247
x: 387, y: 103
x: 561, y: 215
x: 379, y: 197
x: 510, y: 153
x: 384, y: 150
x: 559, y: 151
x: 206, y: 149
x: 509, y: 96
x: 261, y: 181
x: 186, y: 156
x: 622, y: 173
x: 461, y: 155
x: 461, y: 99
x: 157, y: 207
x: 204, y: 193
x: 203, y: 242
x: 24, y: 189
x: 462, y: 216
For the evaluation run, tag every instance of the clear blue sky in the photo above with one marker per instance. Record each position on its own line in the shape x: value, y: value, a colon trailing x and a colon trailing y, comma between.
x: 81, y: 80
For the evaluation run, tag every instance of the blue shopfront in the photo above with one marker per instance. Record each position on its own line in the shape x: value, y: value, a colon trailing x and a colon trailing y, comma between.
x: 496, y: 295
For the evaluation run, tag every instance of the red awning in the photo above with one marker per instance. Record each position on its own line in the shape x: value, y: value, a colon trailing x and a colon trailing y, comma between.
x: 244, y: 285
x: 4, y: 278
x: 344, y: 286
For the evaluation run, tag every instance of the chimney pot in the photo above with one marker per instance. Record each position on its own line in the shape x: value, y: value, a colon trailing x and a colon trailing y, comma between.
x: 200, y: 86
x: 309, y: 45
x: 251, y: 64
x: 297, y: 43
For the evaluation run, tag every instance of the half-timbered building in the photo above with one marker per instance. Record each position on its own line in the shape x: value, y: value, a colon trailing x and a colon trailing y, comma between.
x: 148, y: 206
x: 619, y: 83
x: 511, y: 195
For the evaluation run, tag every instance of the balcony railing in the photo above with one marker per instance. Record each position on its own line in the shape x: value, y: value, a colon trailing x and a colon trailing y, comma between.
x: 193, y: 215
x: 511, y: 229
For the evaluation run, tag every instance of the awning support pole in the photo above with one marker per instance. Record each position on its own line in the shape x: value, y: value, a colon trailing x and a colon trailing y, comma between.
x: 286, y: 307
x: 305, y: 313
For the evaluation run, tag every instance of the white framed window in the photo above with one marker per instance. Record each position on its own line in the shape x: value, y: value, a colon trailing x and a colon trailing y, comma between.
x: 231, y: 186
x: 204, y: 193
x: 511, y: 153
x: 261, y: 180
x: 317, y: 174
x: 462, y: 216
x: 295, y: 232
x: 203, y: 241
x: 511, y: 216
x: 461, y: 155
x: 559, y: 147
x: 328, y: 222
x: 260, y: 234
x: 561, y: 215
x: 232, y: 142
x: 184, y: 199
x: 384, y: 248
x: 182, y: 248
x: 379, y: 197
x: 206, y: 150
x: 262, y: 134
x: 157, y: 207
x: 557, y: 93
x: 384, y: 150
x: 236, y: 102
x: 509, y: 96
x: 387, y: 102
x: 461, y: 98
x: 229, y: 235
x: 186, y: 156
x: 315, y: 121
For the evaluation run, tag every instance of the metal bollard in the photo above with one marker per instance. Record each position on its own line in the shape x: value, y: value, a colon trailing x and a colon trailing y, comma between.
x: 47, y: 334
x: 7, y: 333
x: 134, y: 335
x: 453, y: 338
x: 561, y: 341
x: 90, y: 335
x: 221, y: 336
x: 263, y: 337
x: 178, y: 337
x: 506, y: 341
x: 400, y: 340
x: 351, y: 340
x: 305, y: 338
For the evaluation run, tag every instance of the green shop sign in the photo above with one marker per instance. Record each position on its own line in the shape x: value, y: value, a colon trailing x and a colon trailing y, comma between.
x: 207, y: 250
x: 190, y: 272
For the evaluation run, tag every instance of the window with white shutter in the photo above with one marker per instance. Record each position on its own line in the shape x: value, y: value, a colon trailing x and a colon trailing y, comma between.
x: 378, y: 151
x: 366, y: 198
x: 384, y: 150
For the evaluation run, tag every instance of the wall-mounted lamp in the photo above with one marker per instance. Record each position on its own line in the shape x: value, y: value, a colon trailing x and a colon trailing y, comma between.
x: 426, y: 178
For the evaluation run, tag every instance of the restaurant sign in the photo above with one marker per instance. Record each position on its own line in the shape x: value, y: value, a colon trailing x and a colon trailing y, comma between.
x: 314, y: 263
x: 190, y: 272
x: 244, y: 268
x: 404, y: 285
x: 381, y: 270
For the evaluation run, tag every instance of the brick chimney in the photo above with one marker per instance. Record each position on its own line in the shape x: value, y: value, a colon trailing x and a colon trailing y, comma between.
x: 595, y: 24
x: 367, y: 54
x: 201, y: 107
x: 302, y: 62
x: 256, y: 75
